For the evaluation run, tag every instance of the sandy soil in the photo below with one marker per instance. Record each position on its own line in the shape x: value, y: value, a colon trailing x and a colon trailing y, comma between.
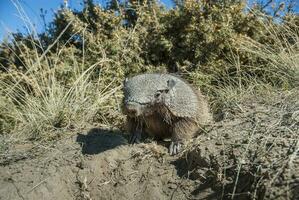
x: 252, y: 153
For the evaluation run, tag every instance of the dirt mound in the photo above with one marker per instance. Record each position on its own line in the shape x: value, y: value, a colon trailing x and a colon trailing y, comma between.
x: 252, y: 154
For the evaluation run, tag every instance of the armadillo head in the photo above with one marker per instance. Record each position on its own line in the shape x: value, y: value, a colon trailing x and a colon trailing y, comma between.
x: 143, y: 94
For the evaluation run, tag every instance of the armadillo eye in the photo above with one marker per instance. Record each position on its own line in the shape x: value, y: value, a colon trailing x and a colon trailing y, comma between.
x: 158, y: 93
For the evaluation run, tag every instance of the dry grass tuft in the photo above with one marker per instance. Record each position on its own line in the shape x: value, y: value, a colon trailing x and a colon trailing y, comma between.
x: 49, y: 96
x: 279, y: 52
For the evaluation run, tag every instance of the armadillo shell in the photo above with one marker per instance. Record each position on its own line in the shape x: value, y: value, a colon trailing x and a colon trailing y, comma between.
x: 183, y: 100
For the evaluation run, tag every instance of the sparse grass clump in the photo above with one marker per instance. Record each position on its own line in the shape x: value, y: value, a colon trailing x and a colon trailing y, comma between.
x: 46, y: 90
x: 41, y: 103
x: 279, y: 55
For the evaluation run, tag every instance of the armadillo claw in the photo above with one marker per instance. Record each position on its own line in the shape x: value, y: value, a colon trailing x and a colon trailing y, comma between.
x: 135, y: 138
x: 174, y: 148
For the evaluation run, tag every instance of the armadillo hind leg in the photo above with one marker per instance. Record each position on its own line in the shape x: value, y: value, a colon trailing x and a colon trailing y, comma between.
x: 175, y: 148
x: 183, y: 129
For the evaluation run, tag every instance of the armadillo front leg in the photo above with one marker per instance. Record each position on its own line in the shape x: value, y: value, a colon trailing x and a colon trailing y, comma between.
x: 135, y: 137
x: 134, y: 127
x: 183, y: 129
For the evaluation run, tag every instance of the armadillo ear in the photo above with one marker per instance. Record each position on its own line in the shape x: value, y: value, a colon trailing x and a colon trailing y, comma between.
x: 171, y: 83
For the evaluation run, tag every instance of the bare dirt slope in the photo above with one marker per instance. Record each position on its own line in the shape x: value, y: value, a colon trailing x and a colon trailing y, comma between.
x: 251, y: 154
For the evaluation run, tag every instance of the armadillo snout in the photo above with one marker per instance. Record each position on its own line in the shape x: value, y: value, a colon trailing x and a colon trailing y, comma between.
x: 132, y: 109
